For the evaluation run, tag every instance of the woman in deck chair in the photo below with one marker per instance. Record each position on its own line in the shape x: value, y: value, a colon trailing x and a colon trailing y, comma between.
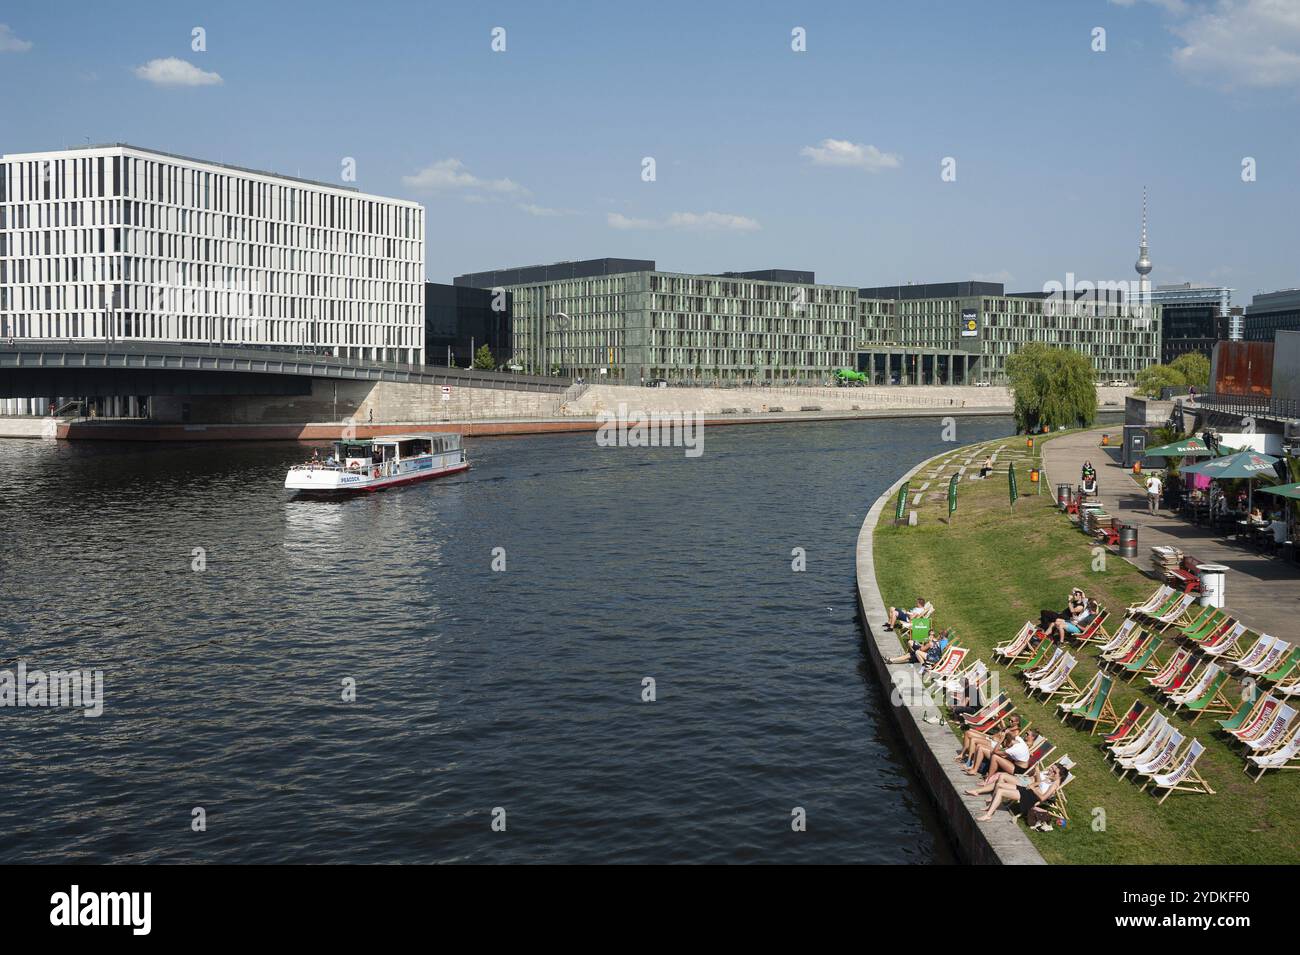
x: 1012, y: 755
x: 1007, y: 788
x: 1073, y: 625
x: 973, y: 740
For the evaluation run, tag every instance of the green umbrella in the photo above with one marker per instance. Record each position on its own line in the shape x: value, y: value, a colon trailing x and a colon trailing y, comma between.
x: 1243, y: 464
x: 1283, y: 490
x: 1186, y: 448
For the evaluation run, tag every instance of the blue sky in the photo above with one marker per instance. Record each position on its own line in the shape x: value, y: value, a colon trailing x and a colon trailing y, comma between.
x: 828, y: 159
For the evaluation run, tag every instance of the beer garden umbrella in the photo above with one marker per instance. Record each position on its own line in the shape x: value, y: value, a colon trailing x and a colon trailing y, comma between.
x: 1283, y: 490
x: 1243, y: 464
x: 1186, y: 448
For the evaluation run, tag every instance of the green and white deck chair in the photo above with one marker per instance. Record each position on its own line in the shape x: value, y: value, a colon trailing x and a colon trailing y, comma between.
x: 1058, y: 681
x: 1212, y: 700
x: 1018, y: 645
x: 1285, y: 667
x: 1155, y: 601
x: 1100, y: 708
x: 1286, y: 756
x: 1226, y: 643
x: 1139, y: 743
x: 1035, y: 661
x: 1166, y: 741
x: 1173, y: 666
x: 1145, y: 661
x: 1175, y: 615
x: 1262, y: 656
x: 1122, y: 637
x: 1083, y: 699
x: 1207, y: 626
x: 1174, y: 599
x: 1279, y: 727
x: 1044, y: 667
x: 1184, y: 777
x: 1289, y: 687
x: 1251, y: 717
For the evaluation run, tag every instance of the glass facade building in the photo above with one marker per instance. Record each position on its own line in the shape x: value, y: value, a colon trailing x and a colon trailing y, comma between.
x: 1271, y: 312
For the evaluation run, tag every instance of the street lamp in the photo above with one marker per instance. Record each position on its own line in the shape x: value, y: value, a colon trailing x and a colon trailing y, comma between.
x: 561, y: 321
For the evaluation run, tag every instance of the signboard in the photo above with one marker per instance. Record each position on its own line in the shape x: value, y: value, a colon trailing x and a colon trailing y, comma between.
x: 952, y: 497
x: 970, y: 323
x: 901, y: 508
x: 446, y: 393
x: 1011, y: 483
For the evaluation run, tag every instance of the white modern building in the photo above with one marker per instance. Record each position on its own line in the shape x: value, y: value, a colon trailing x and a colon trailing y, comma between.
x: 118, y: 243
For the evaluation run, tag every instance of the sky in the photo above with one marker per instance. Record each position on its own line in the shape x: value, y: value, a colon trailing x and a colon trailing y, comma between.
x: 830, y: 158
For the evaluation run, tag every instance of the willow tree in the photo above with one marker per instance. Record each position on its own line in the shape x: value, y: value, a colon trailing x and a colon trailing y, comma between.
x: 1055, y: 387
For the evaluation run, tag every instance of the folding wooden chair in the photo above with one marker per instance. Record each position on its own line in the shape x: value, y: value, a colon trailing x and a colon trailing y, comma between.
x: 1184, y: 777
x: 1286, y: 756
x: 1126, y: 727
x: 1157, y: 599
x: 1017, y: 645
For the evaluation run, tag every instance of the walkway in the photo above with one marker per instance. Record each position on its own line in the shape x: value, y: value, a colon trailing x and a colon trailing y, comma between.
x: 1263, y: 592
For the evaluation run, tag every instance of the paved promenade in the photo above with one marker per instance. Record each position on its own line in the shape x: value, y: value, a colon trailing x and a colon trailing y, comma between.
x: 1263, y: 592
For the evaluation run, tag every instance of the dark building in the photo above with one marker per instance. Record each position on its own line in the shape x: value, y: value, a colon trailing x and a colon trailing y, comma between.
x: 792, y: 276
x: 932, y: 290
x: 1193, y: 318
x: 1271, y: 312
x: 458, y: 320
x: 558, y: 271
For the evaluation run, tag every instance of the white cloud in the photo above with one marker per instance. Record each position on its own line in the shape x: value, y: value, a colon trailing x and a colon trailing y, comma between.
x: 1172, y: 6
x: 450, y: 174
x: 841, y: 152
x: 171, y: 71
x: 687, y: 221
x: 1250, y: 43
x: 545, y: 212
x: 10, y: 42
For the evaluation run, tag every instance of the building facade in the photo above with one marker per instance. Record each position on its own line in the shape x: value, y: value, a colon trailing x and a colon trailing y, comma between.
x: 121, y: 243
x: 620, y: 319
x: 460, y: 319
x: 1193, y: 318
x: 1269, y: 313
x: 963, y: 332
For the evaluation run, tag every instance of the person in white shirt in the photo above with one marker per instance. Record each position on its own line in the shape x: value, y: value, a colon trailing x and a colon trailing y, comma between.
x: 1011, y: 756
x: 1154, y: 487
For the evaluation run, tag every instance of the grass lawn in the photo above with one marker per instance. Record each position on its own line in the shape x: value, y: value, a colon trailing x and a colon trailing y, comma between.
x: 995, y: 568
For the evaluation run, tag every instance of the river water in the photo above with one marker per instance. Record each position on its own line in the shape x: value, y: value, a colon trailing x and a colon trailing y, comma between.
x: 226, y: 736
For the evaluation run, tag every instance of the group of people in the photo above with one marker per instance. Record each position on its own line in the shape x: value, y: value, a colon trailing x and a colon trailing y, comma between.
x: 926, y: 652
x: 1078, y: 613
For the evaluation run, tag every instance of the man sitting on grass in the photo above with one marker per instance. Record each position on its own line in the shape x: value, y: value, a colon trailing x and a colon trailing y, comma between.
x: 898, y: 615
x: 926, y: 654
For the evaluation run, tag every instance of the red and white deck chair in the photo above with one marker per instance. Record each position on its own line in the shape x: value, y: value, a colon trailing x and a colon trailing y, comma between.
x: 1193, y: 688
x: 1155, y: 601
x: 1255, y: 721
x: 1173, y: 667
x: 1092, y: 630
x: 1286, y: 756
x: 1272, y: 656
x: 1184, y: 777
x: 1226, y: 643
x: 948, y: 664
x: 1058, y: 681
x: 1277, y: 730
x: 1015, y: 648
x: 1133, y: 641
x: 1126, y: 726
x: 1176, y: 614
x: 1160, y: 751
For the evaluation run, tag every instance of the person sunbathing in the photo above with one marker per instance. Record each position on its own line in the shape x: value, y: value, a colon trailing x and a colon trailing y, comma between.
x: 898, y: 615
x: 1075, y: 623
x: 1010, y: 755
x: 1008, y: 788
x: 926, y: 654
x: 973, y: 740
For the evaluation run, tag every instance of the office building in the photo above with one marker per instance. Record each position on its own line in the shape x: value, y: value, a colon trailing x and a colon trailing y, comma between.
x: 624, y: 320
x: 460, y: 319
x: 1193, y: 318
x: 125, y: 244
x: 1269, y: 313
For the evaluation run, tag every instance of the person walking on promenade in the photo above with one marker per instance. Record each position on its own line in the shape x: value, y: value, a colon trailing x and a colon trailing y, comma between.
x: 1154, y: 486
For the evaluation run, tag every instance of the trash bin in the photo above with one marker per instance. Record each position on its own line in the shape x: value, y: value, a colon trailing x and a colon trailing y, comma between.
x: 1062, y: 496
x: 1128, y: 541
x: 1213, y: 584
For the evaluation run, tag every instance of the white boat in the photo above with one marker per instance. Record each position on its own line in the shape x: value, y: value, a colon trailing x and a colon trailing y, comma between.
x: 372, y: 464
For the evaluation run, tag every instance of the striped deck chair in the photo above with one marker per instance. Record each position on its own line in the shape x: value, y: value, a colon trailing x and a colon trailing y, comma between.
x: 1184, y: 777
x: 1284, y: 757
x: 1172, y: 668
x: 1035, y: 661
x: 1209, y: 624
x: 1058, y: 682
x: 1159, y: 751
x: 1156, y: 600
x: 1055, y: 806
x: 1277, y: 730
x: 1194, y: 688
x: 1213, y: 700
x: 1144, y: 662
x: 1121, y: 637
x: 1094, y: 629
x: 1014, y: 648
x: 1126, y: 727
x: 1288, y: 688
x: 1084, y: 698
x: 1258, y: 655
x: 1285, y: 667
x: 1250, y: 717
x: 1137, y: 744
x: 1225, y: 642
x: 1175, y: 615
x: 1045, y: 667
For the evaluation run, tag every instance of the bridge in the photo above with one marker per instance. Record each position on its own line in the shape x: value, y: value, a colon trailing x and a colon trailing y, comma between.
x: 48, y: 368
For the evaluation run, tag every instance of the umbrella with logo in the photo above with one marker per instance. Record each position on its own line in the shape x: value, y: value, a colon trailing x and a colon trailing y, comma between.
x: 1186, y: 448
x: 1283, y: 490
x: 1244, y: 464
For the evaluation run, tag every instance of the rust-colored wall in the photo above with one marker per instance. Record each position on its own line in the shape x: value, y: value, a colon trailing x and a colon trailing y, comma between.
x: 1243, y: 368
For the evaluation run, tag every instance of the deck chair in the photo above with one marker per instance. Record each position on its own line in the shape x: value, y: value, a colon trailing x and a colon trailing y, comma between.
x: 1285, y: 756
x: 1175, y: 615
x: 1160, y: 760
x: 1121, y: 636
x: 1159, y: 751
x: 1274, y: 733
x: 1289, y: 687
x: 1035, y: 661
x: 1055, y: 805
x: 991, y: 716
x: 1016, y: 647
x: 1212, y: 700
x: 1093, y: 630
x: 1162, y: 594
x: 1250, y: 718
x: 977, y: 674
x: 1042, y: 749
x: 1118, y: 658
x: 1209, y: 624
x: 1194, y: 687
x: 1126, y: 727
x: 1169, y: 603
x: 1225, y: 642
x: 1139, y: 743
x: 1184, y: 777
x: 1084, y: 698
x: 1100, y: 707
x: 948, y: 664
x: 1058, y: 681
x: 1173, y: 666
x: 1250, y: 661
x: 1289, y: 664
x: 1144, y: 662
x: 1197, y: 617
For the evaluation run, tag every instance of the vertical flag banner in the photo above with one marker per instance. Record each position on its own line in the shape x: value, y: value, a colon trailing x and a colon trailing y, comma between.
x: 1011, y: 483
x: 901, y: 508
x: 952, y: 497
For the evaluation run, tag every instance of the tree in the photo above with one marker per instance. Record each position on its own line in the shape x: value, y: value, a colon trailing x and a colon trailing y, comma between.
x: 1152, y: 379
x: 1195, y: 369
x: 483, y: 358
x: 1053, y: 387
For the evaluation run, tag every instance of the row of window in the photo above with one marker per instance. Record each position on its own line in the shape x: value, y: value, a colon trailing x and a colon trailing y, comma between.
x: 229, y: 329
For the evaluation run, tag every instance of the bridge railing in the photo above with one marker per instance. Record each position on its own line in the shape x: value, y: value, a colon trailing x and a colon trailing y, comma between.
x: 1258, y: 406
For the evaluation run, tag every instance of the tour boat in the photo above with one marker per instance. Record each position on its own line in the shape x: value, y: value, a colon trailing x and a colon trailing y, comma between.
x: 372, y: 464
